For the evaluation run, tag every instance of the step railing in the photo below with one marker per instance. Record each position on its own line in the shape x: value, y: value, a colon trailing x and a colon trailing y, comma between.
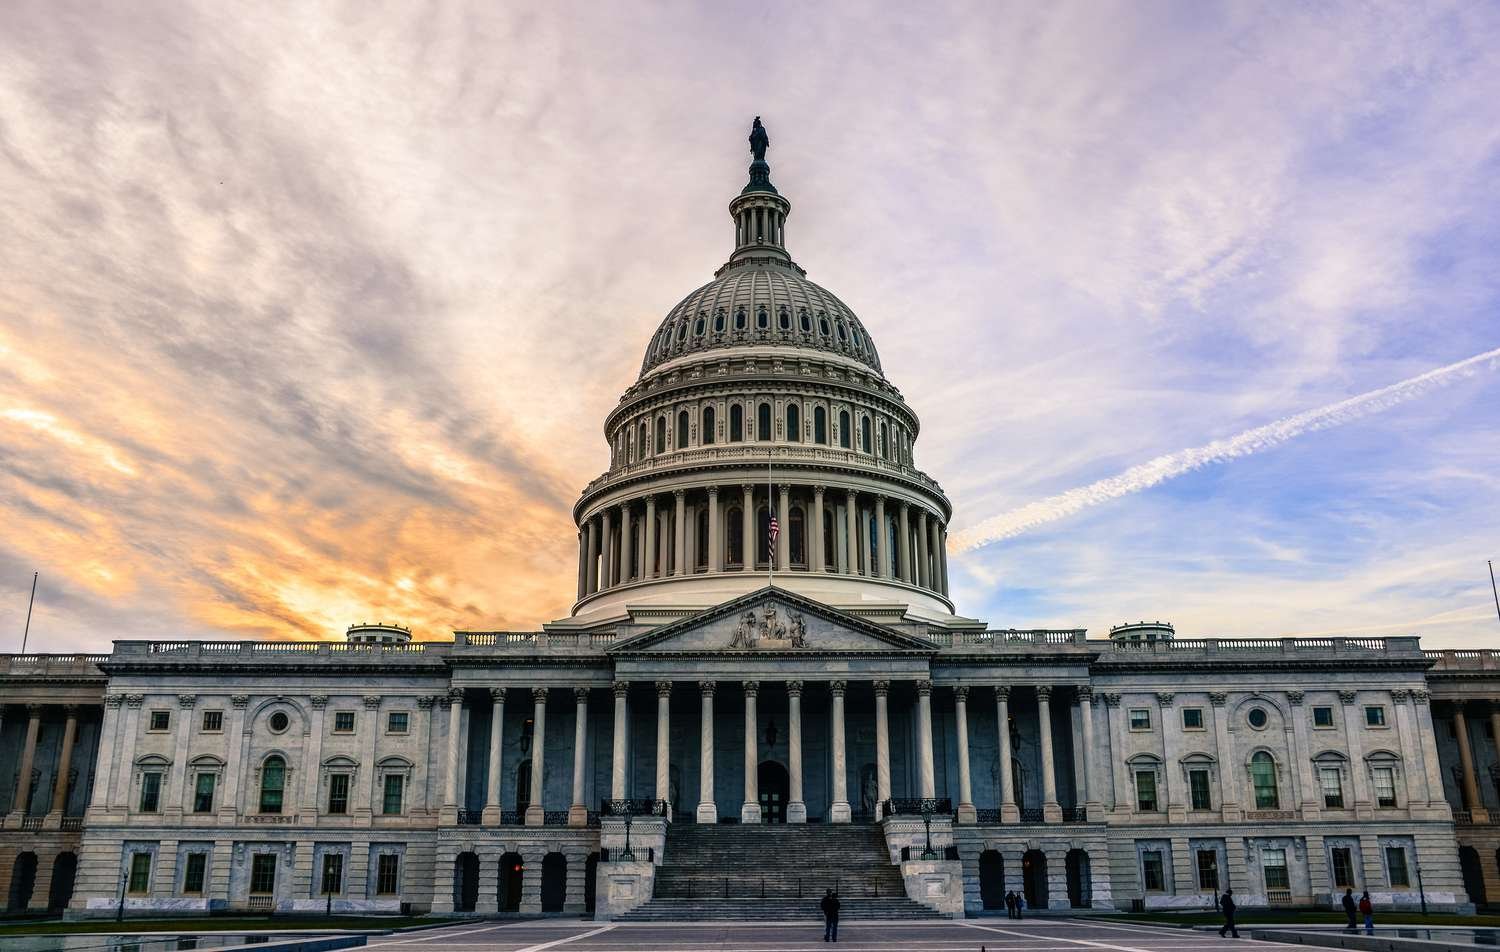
x: 764, y: 887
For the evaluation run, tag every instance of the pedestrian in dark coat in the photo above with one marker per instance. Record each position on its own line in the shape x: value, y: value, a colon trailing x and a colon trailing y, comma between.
x: 1367, y: 909
x: 1010, y: 904
x: 1351, y: 908
x: 830, y: 917
x: 1226, y: 906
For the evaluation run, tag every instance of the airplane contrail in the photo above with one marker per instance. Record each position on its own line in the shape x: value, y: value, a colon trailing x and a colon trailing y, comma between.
x: 1172, y: 465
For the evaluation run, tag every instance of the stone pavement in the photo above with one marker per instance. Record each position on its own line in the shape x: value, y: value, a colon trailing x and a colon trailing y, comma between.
x: 1040, y: 935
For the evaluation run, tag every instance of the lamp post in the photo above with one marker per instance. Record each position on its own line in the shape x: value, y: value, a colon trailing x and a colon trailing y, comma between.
x: 927, y: 807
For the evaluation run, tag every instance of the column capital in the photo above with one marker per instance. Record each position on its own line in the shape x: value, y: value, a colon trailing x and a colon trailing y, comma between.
x: 905, y: 506
x: 497, y: 695
x: 924, y: 688
x: 539, y: 695
x: 455, y: 696
x: 794, y: 688
x: 580, y: 695
x: 1002, y: 692
x: 752, y: 688
x: 35, y: 710
x: 114, y: 700
x: 664, y: 689
x: 784, y: 488
x: 1111, y: 700
x: 1086, y: 692
x: 621, y: 688
x: 679, y: 493
x: 426, y: 701
x: 372, y: 701
x: 1044, y: 692
x: 961, y: 694
x: 707, y: 688
x: 651, y: 500
x: 319, y: 701
x: 238, y: 700
x: 1295, y: 698
x: 882, y: 688
x: 1216, y: 698
x: 187, y: 700
x: 1400, y: 695
x: 837, y: 688
x: 1419, y: 696
x: 818, y: 491
x: 1165, y: 698
x: 1348, y: 697
x: 713, y: 492
x: 71, y: 710
x: 747, y: 488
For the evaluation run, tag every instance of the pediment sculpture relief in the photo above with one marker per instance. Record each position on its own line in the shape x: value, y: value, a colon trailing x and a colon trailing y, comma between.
x: 769, y: 632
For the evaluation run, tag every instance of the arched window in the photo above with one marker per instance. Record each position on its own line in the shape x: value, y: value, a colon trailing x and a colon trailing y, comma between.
x: 806, y: 323
x: 272, y: 784
x: 864, y: 433
x: 661, y: 435
x: 763, y: 422
x: 820, y: 425
x: 829, y: 535
x: 844, y: 428
x: 719, y: 321
x: 739, y: 320
x: 842, y: 334
x: 793, y: 423
x: 682, y: 429
x: 885, y: 443
x: 762, y: 319
x: 734, y: 541
x: 630, y: 446
x: 823, y: 324
x: 700, y: 551
x: 697, y: 328
x: 798, y: 540
x: 706, y: 435
x: 786, y: 319
x: 1263, y: 777
x: 641, y: 443
x: 736, y: 423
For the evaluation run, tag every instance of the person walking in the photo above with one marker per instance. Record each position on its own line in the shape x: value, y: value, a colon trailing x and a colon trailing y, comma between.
x: 1010, y: 904
x: 1020, y: 903
x: 1367, y: 909
x: 1226, y: 906
x: 830, y: 917
x: 1350, y: 909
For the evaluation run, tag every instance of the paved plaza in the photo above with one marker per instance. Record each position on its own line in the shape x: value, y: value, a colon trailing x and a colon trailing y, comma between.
x: 1040, y: 935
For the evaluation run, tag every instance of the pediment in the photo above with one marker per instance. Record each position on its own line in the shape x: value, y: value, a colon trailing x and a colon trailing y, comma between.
x: 773, y: 621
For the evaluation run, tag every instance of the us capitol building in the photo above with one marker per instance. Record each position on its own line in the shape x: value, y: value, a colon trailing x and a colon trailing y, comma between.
x: 730, y: 722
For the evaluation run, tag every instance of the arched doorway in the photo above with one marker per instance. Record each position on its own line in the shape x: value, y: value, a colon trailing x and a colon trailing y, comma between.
x: 554, y: 881
x: 1468, y: 862
x: 590, y: 872
x: 60, y: 891
x: 775, y: 786
x: 1034, y: 879
x: 511, y: 868
x: 465, y: 882
x: 22, y: 881
x: 992, y: 880
x: 1080, y: 881
x: 523, y: 790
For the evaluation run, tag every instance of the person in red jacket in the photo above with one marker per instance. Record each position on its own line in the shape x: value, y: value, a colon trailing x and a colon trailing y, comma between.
x: 1367, y: 909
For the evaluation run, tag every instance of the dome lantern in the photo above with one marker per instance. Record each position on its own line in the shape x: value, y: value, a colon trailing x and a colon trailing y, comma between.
x: 759, y: 212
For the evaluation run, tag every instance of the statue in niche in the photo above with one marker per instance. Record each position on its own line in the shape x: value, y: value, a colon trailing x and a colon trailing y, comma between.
x: 798, y: 631
x: 744, y: 633
x: 869, y: 789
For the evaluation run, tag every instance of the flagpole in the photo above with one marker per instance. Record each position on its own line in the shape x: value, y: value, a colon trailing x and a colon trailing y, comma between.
x: 1493, y: 591
x: 27, y: 632
x: 770, y: 515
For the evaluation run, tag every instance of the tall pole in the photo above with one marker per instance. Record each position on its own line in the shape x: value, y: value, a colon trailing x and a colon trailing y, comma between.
x: 27, y: 632
x: 1493, y: 592
x: 771, y: 515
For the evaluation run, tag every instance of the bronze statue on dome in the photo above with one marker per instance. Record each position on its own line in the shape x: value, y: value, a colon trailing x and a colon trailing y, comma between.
x: 759, y: 141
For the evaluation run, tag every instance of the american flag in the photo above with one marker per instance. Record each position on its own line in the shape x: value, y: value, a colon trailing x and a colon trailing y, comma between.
x: 774, y: 529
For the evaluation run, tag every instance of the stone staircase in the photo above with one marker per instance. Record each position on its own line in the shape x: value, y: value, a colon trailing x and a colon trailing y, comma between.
x: 776, y: 872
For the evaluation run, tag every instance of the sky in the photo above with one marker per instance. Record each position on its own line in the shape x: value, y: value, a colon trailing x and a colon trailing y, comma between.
x: 311, y: 314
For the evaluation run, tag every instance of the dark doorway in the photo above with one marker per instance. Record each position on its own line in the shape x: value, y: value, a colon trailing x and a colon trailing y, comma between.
x: 1468, y: 861
x: 590, y: 872
x: 1080, y: 883
x: 22, y: 881
x: 1034, y: 879
x: 64, y: 870
x: 554, y: 882
x: 992, y: 880
x: 511, y: 867
x: 465, y: 882
x: 523, y: 790
x: 775, y: 786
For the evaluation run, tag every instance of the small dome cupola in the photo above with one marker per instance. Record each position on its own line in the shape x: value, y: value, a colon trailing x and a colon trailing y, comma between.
x: 759, y: 211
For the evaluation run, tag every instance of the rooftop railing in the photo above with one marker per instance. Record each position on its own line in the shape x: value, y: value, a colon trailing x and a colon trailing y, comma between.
x: 1407, y: 645
x: 228, y: 651
x: 52, y: 664
x: 1007, y: 638
x: 1463, y: 659
x: 758, y: 453
x: 532, y: 641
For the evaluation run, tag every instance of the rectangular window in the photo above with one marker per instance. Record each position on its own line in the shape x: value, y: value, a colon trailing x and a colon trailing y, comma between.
x: 396, y: 721
x: 1202, y: 799
x: 395, y: 785
x: 1208, y: 870
x: 343, y: 722
x: 1152, y: 871
x: 1322, y: 717
x: 140, y: 873
x: 1374, y: 716
x: 1273, y: 864
x: 338, y: 793
x: 193, y: 875
x: 263, y: 873
x: 1385, y: 786
x: 1395, y: 864
x: 160, y: 721
x: 1145, y: 791
x: 1332, y: 784
x: 150, y: 792
x: 203, y: 793
x: 1192, y: 718
x: 1343, y: 867
x: 388, y: 875
x: 1140, y: 719
x: 213, y: 722
x: 333, y: 874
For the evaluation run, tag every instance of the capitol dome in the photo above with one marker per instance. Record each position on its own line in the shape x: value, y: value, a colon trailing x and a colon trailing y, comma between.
x: 761, y: 444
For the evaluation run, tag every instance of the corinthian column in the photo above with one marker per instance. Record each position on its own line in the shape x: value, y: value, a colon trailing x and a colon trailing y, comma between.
x: 882, y: 745
x: 591, y: 566
x: 966, y: 811
x: 784, y: 528
x: 607, y: 558
x: 882, y: 539
x: 814, y: 533
x: 905, y: 543
x: 627, y: 549
x: 924, y: 571
x: 536, y: 812
x: 708, y: 810
x: 796, y: 808
x: 648, y: 562
x: 715, y: 546
x: 924, y: 739
x: 449, y: 812
x: 750, y: 810
x: 664, y: 741
x: 1051, y: 811
x: 617, y: 762
x: 851, y: 530
x: 1008, y: 811
x: 748, y: 543
x: 497, y: 732
x: 578, y: 812
x: 839, y: 811
x: 679, y: 532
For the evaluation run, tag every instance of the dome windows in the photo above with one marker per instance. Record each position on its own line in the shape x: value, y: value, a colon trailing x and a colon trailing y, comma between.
x: 707, y: 433
x: 806, y: 322
x: 739, y: 319
x: 842, y: 335
x: 682, y: 430
x: 698, y: 328
x: 661, y: 435
x: 864, y: 434
x: 823, y: 324
x: 640, y: 443
x: 844, y: 429
x: 736, y: 424
x: 786, y: 319
x: 719, y: 321
x: 763, y: 422
x: 820, y: 426
x: 762, y: 319
x: 793, y: 423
